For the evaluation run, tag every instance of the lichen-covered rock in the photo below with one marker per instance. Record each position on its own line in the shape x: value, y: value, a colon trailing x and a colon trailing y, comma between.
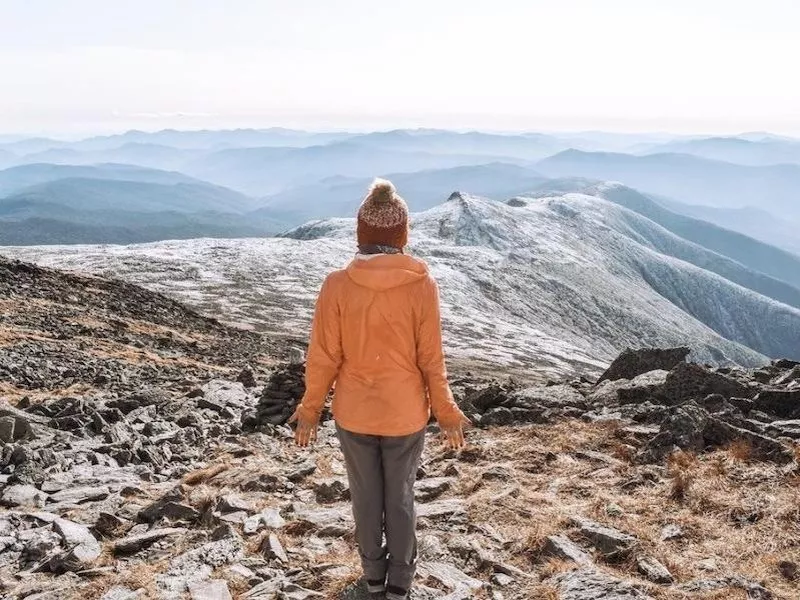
x: 719, y: 433
x: 549, y: 396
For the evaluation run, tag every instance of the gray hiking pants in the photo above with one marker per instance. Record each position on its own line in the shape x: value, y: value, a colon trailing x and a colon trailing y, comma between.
x: 382, y: 471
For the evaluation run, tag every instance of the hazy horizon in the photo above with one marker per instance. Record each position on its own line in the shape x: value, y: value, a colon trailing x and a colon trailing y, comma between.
x: 89, y: 67
x: 67, y: 137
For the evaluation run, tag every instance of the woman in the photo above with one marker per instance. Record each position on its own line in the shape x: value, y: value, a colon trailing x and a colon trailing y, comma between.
x: 377, y: 334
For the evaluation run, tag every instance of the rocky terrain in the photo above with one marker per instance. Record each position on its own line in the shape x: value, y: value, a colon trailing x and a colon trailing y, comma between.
x: 144, y: 454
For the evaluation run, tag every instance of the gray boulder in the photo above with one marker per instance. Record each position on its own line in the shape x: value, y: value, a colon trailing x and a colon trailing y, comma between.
x: 431, y: 488
x: 549, y: 396
x: 653, y: 570
x: 782, y: 403
x: 82, y: 547
x: 22, y: 495
x: 14, y: 428
x: 790, y: 429
x: 684, y: 428
x: 689, y: 381
x: 588, y: 584
x: 213, y: 589
x: 631, y: 363
x: 562, y: 547
x: 611, y: 543
x: 719, y: 433
x: 134, y: 543
x: 197, y: 565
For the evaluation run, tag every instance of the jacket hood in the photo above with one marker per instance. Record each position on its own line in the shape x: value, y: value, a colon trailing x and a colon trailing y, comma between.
x: 382, y: 272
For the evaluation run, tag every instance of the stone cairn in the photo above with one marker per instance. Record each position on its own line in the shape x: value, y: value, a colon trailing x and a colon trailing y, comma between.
x: 283, y: 391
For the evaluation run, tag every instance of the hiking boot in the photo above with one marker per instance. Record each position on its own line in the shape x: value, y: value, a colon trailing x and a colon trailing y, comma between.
x: 396, y: 593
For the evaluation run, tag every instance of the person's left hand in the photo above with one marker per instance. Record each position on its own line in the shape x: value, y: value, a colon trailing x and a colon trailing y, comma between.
x: 305, y: 432
x: 454, y: 434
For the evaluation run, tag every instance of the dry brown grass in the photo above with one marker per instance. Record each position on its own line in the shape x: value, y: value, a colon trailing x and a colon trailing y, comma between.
x: 681, y: 467
x: 14, y: 394
x: 140, y: 576
x: 255, y: 543
x: 108, y: 349
x: 713, y: 487
x: 299, y: 528
x: 722, y: 594
x: 741, y: 450
x: 11, y: 336
x: 468, y: 483
x: 541, y: 592
x: 203, y: 475
x: 324, y: 465
x: 555, y: 566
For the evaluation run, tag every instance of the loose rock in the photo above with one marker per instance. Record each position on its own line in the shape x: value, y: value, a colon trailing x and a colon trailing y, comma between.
x: 588, y: 584
x: 213, y: 589
x: 562, y: 547
x: 610, y: 542
x: 653, y: 570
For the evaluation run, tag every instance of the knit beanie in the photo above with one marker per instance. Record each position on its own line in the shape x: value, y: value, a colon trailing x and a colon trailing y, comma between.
x: 383, y: 217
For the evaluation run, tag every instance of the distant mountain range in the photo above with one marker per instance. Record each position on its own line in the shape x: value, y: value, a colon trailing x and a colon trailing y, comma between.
x: 144, y: 155
x: 100, y: 194
x: 756, y: 152
x: 56, y: 204
x: 266, y: 171
x: 526, y: 146
x: 17, y: 178
x: 188, y: 140
x: 129, y: 228
x: 689, y: 179
x: 341, y: 196
x: 284, y: 177
x: 752, y: 222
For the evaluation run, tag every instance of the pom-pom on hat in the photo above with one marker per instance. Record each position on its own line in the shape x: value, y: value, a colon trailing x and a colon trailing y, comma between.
x: 383, y: 217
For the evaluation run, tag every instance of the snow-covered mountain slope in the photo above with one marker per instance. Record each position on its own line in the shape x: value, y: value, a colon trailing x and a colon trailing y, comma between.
x: 756, y: 265
x: 557, y: 284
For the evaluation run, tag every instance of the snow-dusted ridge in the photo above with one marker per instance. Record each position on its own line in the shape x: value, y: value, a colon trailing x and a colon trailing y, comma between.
x: 559, y: 283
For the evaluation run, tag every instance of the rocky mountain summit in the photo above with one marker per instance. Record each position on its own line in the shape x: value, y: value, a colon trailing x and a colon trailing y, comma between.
x: 143, y: 454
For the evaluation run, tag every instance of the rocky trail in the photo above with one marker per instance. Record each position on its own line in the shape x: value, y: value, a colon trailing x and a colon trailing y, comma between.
x: 144, y: 454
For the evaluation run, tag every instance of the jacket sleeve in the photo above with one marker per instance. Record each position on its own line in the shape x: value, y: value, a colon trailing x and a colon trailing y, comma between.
x: 324, y: 352
x: 430, y: 358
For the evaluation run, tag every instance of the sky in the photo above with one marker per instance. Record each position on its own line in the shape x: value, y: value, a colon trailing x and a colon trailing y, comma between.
x: 78, y: 67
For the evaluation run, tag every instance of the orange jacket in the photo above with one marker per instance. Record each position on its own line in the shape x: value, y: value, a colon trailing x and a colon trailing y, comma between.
x: 377, y: 334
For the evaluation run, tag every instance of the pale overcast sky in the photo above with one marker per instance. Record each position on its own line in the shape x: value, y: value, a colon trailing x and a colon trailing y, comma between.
x: 85, y: 66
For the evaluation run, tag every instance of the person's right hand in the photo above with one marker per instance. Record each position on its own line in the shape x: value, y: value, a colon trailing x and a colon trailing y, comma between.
x: 305, y: 432
x: 454, y: 434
